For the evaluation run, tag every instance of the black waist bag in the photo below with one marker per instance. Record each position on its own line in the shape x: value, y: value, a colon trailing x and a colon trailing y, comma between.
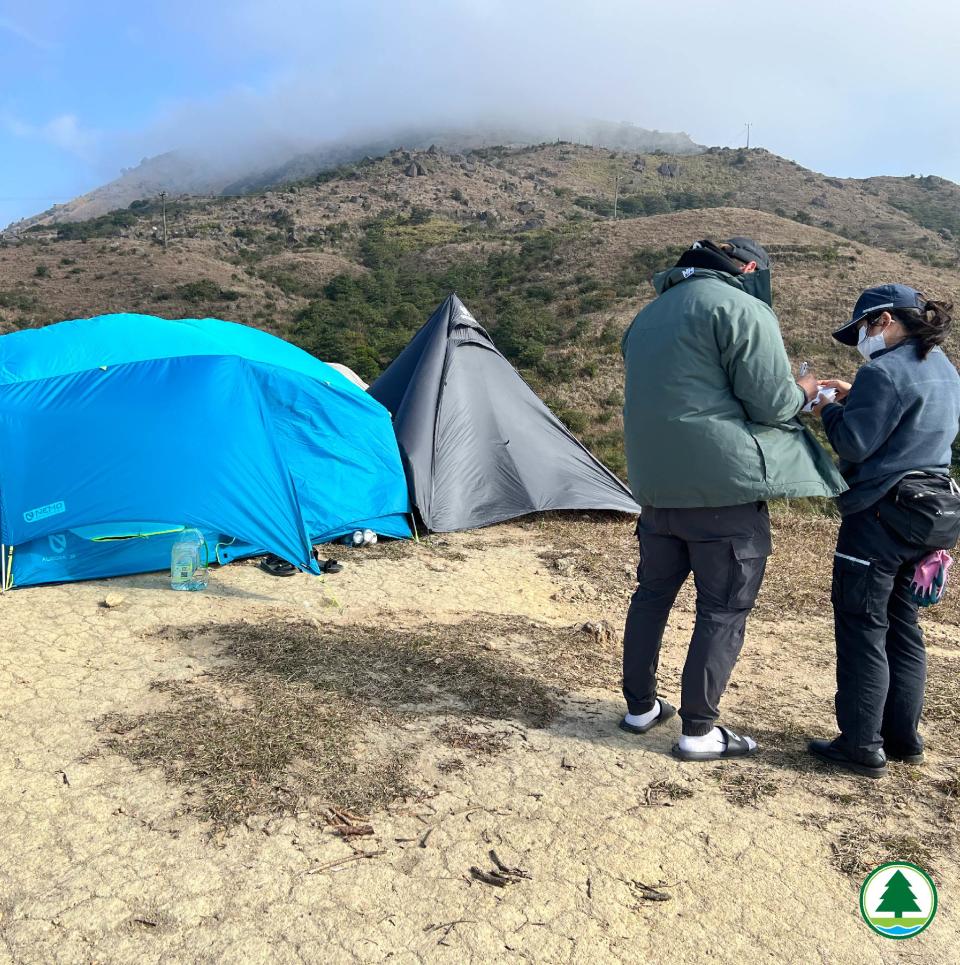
x: 924, y: 510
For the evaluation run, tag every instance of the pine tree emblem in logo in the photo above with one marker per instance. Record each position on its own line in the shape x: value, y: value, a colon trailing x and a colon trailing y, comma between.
x: 898, y: 900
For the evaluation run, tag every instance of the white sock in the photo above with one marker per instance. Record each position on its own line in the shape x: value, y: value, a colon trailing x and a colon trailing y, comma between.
x: 641, y: 720
x: 714, y: 741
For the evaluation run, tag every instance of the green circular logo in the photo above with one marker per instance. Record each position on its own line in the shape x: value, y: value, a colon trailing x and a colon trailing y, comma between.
x: 898, y: 900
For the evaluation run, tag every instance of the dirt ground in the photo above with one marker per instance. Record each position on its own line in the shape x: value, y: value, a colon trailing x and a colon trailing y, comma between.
x: 615, y: 851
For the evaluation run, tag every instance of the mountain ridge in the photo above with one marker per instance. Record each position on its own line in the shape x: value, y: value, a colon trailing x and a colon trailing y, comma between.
x: 184, y: 173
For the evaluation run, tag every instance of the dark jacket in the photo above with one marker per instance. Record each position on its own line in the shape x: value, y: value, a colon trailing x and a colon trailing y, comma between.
x: 710, y: 402
x: 901, y: 415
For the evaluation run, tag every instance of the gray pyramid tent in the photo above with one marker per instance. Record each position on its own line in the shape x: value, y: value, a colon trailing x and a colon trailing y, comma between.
x: 478, y: 445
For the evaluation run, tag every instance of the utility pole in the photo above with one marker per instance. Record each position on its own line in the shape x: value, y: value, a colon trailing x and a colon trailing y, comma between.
x: 616, y: 196
x: 748, y: 135
x: 163, y: 201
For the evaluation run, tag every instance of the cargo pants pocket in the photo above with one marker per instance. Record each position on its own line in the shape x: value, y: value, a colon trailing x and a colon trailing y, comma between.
x: 852, y: 590
x: 746, y: 571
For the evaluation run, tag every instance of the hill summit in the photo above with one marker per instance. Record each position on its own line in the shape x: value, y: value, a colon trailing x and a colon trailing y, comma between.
x: 271, y: 166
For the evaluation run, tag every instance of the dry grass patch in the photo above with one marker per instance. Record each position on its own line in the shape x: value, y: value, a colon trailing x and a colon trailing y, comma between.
x: 300, y: 713
x: 949, y: 786
x: 745, y: 787
x: 664, y: 793
x: 486, y: 743
x: 440, y: 667
x: 942, y: 699
x: 800, y: 570
x: 433, y: 546
x: 598, y: 548
x: 857, y: 849
x: 259, y: 745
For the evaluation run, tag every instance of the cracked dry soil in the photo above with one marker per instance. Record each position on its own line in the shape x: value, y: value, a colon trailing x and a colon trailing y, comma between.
x: 613, y: 850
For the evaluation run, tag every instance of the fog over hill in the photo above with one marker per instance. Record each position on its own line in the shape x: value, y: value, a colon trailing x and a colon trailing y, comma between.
x: 261, y: 165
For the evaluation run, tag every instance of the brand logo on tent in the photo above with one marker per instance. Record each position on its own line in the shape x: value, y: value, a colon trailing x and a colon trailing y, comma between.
x: 42, y: 512
x: 58, y: 542
x: 898, y: 900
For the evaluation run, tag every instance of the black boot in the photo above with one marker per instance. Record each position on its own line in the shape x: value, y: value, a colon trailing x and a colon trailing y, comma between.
x: 870, y: 764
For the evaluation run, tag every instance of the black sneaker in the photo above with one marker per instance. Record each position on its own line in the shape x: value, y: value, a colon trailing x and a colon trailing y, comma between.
x: 872, y: 764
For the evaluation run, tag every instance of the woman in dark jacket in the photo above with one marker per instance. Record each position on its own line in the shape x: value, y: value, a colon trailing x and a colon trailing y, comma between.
x: 898, y: 420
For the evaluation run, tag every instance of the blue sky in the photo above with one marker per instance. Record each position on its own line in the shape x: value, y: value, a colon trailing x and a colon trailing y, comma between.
x: 851, y: 89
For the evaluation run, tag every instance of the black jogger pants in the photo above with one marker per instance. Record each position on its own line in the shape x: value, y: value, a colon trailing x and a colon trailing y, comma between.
x: 727, y: 550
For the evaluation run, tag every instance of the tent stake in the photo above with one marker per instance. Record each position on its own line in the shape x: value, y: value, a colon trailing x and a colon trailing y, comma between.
x: 8, y: 573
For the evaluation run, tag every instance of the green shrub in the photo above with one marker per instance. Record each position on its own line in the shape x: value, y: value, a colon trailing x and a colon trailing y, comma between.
x: 205, y: 290
x: 110, y: 225
x: 419, y: 215
x: 607, y: 446
x: 19, y: 300
x: 573, y: 419
x: 341, y: 172
x: 597, y: 301
x: 364, y: 321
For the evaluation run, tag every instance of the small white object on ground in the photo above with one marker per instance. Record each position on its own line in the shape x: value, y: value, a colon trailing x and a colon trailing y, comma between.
x: 113, y: 599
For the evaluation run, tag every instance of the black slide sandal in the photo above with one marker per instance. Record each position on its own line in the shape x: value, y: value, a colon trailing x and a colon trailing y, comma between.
x: 277, y: 567
x: 330, y: 566
x: 666, y: 712
x: 736, y: 747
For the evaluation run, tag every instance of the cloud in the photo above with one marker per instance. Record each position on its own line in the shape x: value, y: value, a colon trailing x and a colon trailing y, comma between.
x: 63, y: 132
x: 66, y: 133
x: 806, y: 75
x: 270, y: 80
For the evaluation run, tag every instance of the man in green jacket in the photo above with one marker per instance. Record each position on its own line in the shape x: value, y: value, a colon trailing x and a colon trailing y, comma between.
x: 711, y: 434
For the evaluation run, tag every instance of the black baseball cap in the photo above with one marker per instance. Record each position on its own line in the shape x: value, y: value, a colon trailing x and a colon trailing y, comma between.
x: 747, y: 250
x: 878, y: 299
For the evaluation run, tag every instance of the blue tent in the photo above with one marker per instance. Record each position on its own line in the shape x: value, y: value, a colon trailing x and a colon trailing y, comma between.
x: 118, y: 431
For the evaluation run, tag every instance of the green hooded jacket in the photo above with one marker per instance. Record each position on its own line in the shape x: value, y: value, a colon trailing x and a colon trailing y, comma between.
x: 710, y: 404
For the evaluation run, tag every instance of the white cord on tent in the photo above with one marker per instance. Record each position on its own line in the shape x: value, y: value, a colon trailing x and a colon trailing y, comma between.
x: 216, y: 550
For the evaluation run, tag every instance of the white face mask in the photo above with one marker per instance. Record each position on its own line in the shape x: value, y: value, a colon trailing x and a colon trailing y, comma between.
x: 869, y: 344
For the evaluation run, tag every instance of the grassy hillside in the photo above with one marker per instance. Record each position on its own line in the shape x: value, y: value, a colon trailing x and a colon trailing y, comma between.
x: 350, y: 263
